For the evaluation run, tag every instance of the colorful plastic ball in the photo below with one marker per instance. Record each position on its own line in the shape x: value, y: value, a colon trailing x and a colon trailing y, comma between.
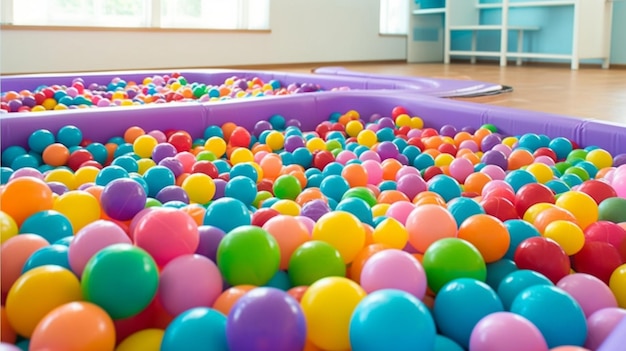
x: 380, y: 272
x: 287, y: 187
x: 289, y: 233
x: 567, y: 234
x: 187, y: 282
x: 166, y: 234
x: 55, y: 154
x: 123, y: 198
x: 461, y: 304
x: 601, y: 325
x: 591, y: 293
x: 8, y: 227
x: 199, y: 328
x: 610, y: 209
x: 122, y: 279
x: 555, y: 313
x: 40, y: 139
x: 49, y: 224
x: 247, y: 327
x: 543, y: 255
x: 48, y: 255
x: 69, y: 136
x: 617, y: 284
x: 488, y: 234
x: 530, y: 194
x: 391, y: 233
x: 248, y: 255
x: 428, y: 223
x: 328, y: 306
x: 586, y: 260
x: 342, y: 230
x: 227, y: 214
x: 157, y: 178
x: 445, y: 186
x: 80, y: 207
x: 597, y: 189
x: 241, y: 188
x: 561, y: 146
x: 24, y: 312
x: 451, y: 258
x: 91, y: 327
x: 391, y: 319
x: 334, y: 187
x: 515, y: 282
x: 145, y: 339
x: 506, y: 331
x: 92, y: 238
x: 314, y: 260
x: 498, y: 270
x: 25, y: 196
x: 358, y: 208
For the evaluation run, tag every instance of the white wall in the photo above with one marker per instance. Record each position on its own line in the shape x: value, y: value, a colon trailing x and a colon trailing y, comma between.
x: 302, y: 31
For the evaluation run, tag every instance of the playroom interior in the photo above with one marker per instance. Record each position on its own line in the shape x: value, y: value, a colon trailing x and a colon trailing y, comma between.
x: 440, y: 175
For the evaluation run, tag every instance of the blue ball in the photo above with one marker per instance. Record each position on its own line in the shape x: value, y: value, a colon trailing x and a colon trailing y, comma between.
x: 267, y: 203
x: 10, y: 153
x: 515, y: 282
x: 561, y: 147
x: 222, y: 166
x: 496, y: 271
x: 64, y: 241
x: 443, y: 343
x: 246, y: 170
x: 460, y: 304
x: 387, y: 185
x: 110, y: 173
x: 571, y: 179
x: 423, y: 161
x: 391, y: 319
x: 278, y: 122
x: 530, y: 141
x: 227, y: 214
x: 446, y: 186
x: 401, y: 144
x: 359, y: 149
x: 139, y: 179
x: 123, y: 149
x: 49, y: 224
x: 99, y: 152
x: 518, y: 178
x: 199, y: 328
x: 302, y: 156
x: 558, y: 186
x: 287, y: 158
x: 70, y: 136
x: 554, y: 312
x: 118, y: 140
x: 213, y: 131
x: 127, y: 162
x: 358, y: 207
x: 280, y: 280
x: 519, y: 230
x: 334, y: 186
x: 333, y: 168
x: 411, y: 152
x: 314, y: 181
x: 157, y: 178
x: 5, y: 174
x: 26, y: 160
x: 461, y: 208
x: 241, y: 188
x: 54, y: 254
x: 385, y: 134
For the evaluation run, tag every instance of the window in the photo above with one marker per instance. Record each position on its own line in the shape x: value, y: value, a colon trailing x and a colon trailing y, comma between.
x: 394, y: 17
x: 204, y: 14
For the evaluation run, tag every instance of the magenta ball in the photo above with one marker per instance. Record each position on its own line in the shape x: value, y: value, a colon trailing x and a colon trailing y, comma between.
x: 460, y: 168
x: 189, y: 281
x: 411, y: 185
x: 506, y: 331
x: 123, y: 198
x: 591, y: 293
x: 601, y: 324
x: 394, y: 269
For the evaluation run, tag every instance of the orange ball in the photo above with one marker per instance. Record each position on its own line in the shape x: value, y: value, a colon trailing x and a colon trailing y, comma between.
x: 271, y: 165
x: 461, y: 137
x: 390, y: 167
x: 24, y: 196
x: 520, y: 158
x: 225, y: 302
x: 289, y: 233
x: 355, y: 174
x: 310, y: 194
x: 550, y: 215
x: 432, y: 142
x: 133, y: 133
x: 55, y: 154
x: 488, y: 234
x: 391, y: 196
x: 475, y: 182
x: 227, y: 129
x: 480, y: 134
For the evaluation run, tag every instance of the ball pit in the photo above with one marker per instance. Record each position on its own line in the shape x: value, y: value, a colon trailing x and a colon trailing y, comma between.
x: 366, y: 240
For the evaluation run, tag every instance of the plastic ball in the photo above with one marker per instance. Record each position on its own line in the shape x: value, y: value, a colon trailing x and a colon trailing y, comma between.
x: 610, y: 209
x: 56, y: 254
x: 581, y: 205
x: 80, y: 207
x: 506, y: 330
x: 531, y: 194
x: 24, y: 196
x: 555, y: 313
x: 544, y: 256
x: 123, y: 198
x: 91, y: 327
x: 13, y: 255
x: 247, y: 327
x: 452, y: 258
x: 287, y: 187
x: 378, y: 273
x: 343, y: 231
x: 40, y: 139
x: 617, y: 284
x: 591, y: 293
x: 328, y: 306
x: 601, y: 324
x: 488, y: 234
x: 391, y: 233
x: 289, y: 233
x: 391, y: 319
x: 567, y: 234
x: 166, y: 234
x: 146, y: 339
x: 597, y: 189
x: 428, y: 223
x: 24, y: 312
x: 199, y: 187
x: 8, y: 227
x: 445, y: 186
x: 313, y: 261
x: 49, y: 224
x: 227, y: 214
x: 196, y: 329
x: 515, y: 282
x: 461, y: 304
x: 586, y: 260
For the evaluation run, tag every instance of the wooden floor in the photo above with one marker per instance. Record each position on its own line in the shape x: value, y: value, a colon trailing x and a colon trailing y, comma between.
x: 590, y: 92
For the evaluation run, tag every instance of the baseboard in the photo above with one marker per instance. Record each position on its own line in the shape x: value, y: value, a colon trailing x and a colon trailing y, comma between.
x: 540, y: 64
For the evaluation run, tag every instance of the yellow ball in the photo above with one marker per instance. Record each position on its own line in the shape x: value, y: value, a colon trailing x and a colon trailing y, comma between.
x: 60, y: 107
x: 126, y: 102
x: 367, y: 138
x: 533, y: 211
x: 86, y: 174
x: 147, y: 81
x: 353, y: 128
x: 380, y: 210
x: 36, y: 293
x: 49, y: 103
x: 241, y: 155
x: 582, y: 206
x: 509, y: 141
x: 286, y: 207
x: 275, y: 140
x: 216, y: 145
x: 199, y: 187
x: 8, y: 227
x: 316, y: 144
x: 342, y: 230
x: 541, y: 171
x: 443, y: 160
x: 37, y: 108
x: 416, y: 123
x: 80, y: 207
x: 175, y: 86
x: 567, y: 234
x: 145, y: 340
x: 600, y: 158
x: 62, y: 175
x: 617, y: 283
x: 403, y: 120
x: 328, y: 305
x: 118, y: 95
x: 144, y: 145
x: 391, y: 233
x: 144, y: 164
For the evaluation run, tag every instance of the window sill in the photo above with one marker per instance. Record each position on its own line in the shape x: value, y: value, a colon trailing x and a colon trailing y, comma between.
x: 130, y: 29
x: 392, y: 35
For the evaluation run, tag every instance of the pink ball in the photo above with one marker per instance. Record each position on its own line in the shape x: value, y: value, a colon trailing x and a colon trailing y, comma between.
x: 258, y: 157
x: 374, y: 171
x: 546, y: 160
x: 429, y: 223
x: 344, y: 156
x: 92, y: 238
x: 411, y: 185
x: 619, y: 183
x: 496, y: 184
x: 591, y: 293
x: 167, y: 233
x: 469, y: 144
x: 400, y: 210
x: 460, y: 169
x: 189, y: 281
x: 394, y: 269
x: 601, y: 324
x: 414, y: 133
x: 495, y: 172
x: 506, y: 331
x: 503, y: 148
x: 308, y: 223
x: 187, y: 159
x: 406, y: 170
x: 158, y: 135
x: 369, y: 155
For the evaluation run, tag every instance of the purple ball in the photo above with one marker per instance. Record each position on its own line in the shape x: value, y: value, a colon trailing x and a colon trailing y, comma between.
x: 387, y: 149
x: 469, y: 129
x: 619, y: 160
x: 386, y: 122
x: 403, y: 159
x: 293, y: 123
x: 27, y: 172
x: 260, y: 127
x: 448, y: 130
x: 172, y: 193
x: 173, y: 164
x: 490, y: 141
x: 315, y: 209
x: 247, y: 326
x: 220, y: 188
x: 85, y: 186
x: 58, y: 187
x: 14, y: 105
x: 374, y: 117
x: 29, y: 101
x: 411, y: 184
x: 293, y: 142
x: 210, y: 239
x: 123, y: 198
x: 496, y: 158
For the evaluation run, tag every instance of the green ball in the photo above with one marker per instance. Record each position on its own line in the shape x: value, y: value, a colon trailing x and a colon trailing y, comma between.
x: 579, y: 171
x: 313, y: 261
x: 562, y: 166
x: 152, y: 202
x: 490, y: 127
x: 612, y: 210
x: 248, y: 255
x: 122, y: 279
x: 206, y: 156
x: 260, y: 197
x: 287, y: 187
x: 362, y: 193
x: 452, y: 258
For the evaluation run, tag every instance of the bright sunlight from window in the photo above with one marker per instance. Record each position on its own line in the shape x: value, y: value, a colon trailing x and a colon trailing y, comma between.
x: 394, y: 16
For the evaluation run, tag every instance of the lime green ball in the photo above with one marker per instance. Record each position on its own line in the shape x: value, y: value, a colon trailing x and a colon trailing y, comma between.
x: 206, y: 156
x: 260, y: 197
x: 580, y: 172
x: 313, y: 261
x: 490, y: 127
x: 452, y: 258
x: 152, y: 202
x: 562, y: 166
x: 287, y: 187
x: 362, y: 193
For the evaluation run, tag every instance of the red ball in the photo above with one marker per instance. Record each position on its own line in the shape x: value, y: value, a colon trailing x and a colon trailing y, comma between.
x: 544, y: 256
x: 430, y: 172
x: 48, y: 92
x: 39, y: 97
x: 531, y: 194
x: 501, y: 192
x: 78, y: 157
x: 206, y: 167
x: 322, y: 129
x: 416, y: 142
x: 338, y: 127
x: 23, y: 109
x: 92, y: 163
x: 404, y: 130
x: 447, y: 149
x: 181, y: 141
x: 224, y: 176
x: 4, y: 106
x: 429, y: 132
x: 597, y: 258
x: 608, y: 232
x: 263, y: 215
x: 240, y: 137
x: 397, y: 111
x: 597, y: 189
x: 266, y: 185
x: 545, y: 151
x: 500, y: 208
x: 322, y: 158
